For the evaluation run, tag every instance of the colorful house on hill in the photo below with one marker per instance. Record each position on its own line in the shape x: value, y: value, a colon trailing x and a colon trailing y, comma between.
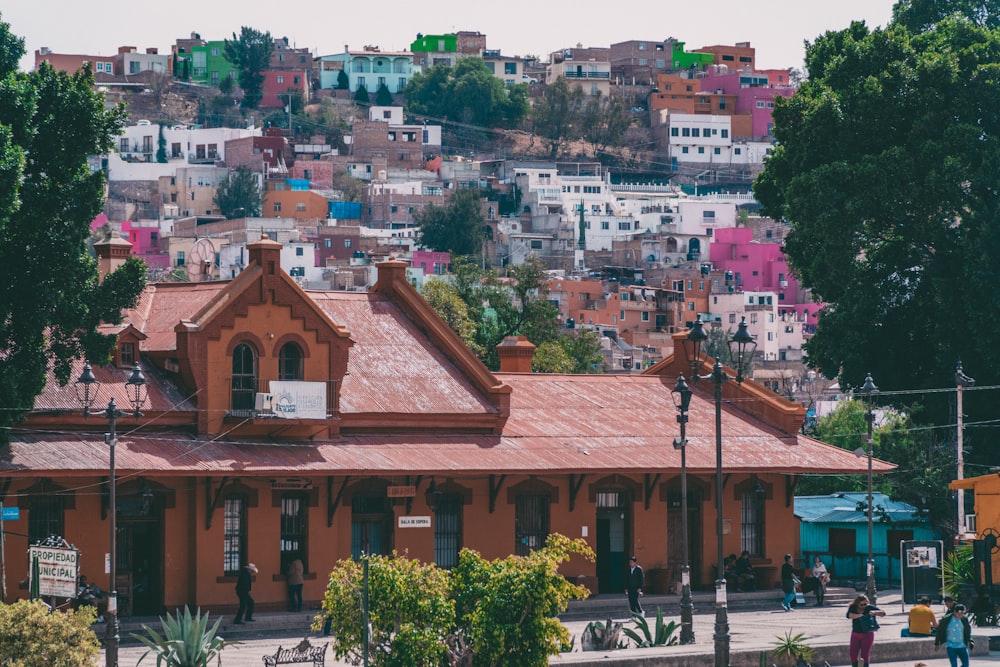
x: 283, y: 423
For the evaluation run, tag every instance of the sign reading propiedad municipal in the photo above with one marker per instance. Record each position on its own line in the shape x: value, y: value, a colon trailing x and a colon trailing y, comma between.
x: 57, y: 570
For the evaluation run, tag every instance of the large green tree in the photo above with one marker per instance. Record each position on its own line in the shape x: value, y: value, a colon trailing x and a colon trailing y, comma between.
x: 458, y: 226
x: 51, y: 300
x: 886, y: 167
x: 250, y: 54
x: 468, y: 93
x: 239, y: 194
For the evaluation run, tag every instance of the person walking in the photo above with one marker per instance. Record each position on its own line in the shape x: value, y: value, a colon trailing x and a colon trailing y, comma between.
x: 788, y: 581
x: 243, y: 582
x: 864, y: 624
x: 294, y: 579
x: 955, y: 632
x: 633, y: 586
x: 822, y: 575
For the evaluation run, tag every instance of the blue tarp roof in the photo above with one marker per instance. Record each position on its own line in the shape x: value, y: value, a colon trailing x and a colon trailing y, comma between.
x: 843, y: 508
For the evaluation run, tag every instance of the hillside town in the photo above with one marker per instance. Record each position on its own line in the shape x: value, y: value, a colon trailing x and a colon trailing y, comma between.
x: 367, y: 323
x: 634, y: 255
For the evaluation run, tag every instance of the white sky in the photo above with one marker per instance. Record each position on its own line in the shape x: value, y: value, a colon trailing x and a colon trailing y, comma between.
x: 775, y: 28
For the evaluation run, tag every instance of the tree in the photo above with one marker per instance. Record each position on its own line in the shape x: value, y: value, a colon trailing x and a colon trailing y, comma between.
x: 35, y: 637
x: 506, y: 610
x: 161, y: 147
x: 885, y: 168
x: 343, y: 81
x: 458, y: 226
x: 469, y: 93
x: 250, y: 54
x: 361, y: 95
x: 226, y: 85
x: 409, y: 609
x: 239, y: 195
x: 51, y: 299
x: 446, y: 302
x: 605, y: 121
x: 383, y: 97
x: 556, y: 116
x: 515, y: 307
x: 921, y: 15
x: 924, y: 466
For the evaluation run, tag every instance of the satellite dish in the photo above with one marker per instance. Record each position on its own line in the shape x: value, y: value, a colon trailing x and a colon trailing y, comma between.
x: 201, y: 260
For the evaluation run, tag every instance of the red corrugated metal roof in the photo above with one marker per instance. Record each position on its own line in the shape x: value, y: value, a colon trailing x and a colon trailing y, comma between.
x: 558, y: 424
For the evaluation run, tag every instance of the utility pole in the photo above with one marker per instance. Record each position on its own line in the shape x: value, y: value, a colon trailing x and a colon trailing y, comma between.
x: 961, y: 381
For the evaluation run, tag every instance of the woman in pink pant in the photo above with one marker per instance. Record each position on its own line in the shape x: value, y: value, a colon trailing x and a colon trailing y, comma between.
x: 864, y: 623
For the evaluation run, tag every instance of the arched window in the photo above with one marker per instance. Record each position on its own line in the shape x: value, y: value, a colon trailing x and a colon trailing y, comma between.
x: 244, y: 378
x: 290, y: 365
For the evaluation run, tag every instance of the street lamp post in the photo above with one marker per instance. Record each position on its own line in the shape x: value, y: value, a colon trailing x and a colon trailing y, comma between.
x: 87, y: 386
x: 741, y: 349
x: 682, y: 400
x: 869, y: 389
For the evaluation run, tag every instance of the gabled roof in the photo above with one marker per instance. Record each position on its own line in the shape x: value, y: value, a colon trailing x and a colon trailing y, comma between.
x: 850, y: 508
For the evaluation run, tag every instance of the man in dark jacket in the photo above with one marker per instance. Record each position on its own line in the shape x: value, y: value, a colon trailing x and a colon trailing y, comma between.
x: 243, y: 582
x: 636, y: 579
x: 955, y: 632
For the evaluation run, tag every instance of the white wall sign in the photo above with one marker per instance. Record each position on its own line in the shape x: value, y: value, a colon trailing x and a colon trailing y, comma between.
x: 414, y: 522
x: 298, y: 400
x: 57, y: 570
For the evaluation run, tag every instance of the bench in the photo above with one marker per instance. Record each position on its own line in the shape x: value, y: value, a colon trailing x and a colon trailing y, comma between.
x: 304, y: 652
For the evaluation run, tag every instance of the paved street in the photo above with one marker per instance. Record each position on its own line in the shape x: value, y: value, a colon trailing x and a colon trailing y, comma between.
x: 750, y: 630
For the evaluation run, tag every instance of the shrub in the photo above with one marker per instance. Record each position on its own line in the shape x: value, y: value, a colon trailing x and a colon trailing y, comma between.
x: 33, y: 636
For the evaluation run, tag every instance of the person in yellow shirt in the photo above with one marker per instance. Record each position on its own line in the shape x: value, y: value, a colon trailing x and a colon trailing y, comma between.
x: 923, y: 622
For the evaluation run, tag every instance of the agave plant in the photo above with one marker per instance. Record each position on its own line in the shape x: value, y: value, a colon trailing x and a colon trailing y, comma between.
x: 662, y: 634
x: 793, y: 649
x: 186, y: 641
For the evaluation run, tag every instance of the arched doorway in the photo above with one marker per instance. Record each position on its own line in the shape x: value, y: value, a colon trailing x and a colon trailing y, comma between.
x: 140, y: 546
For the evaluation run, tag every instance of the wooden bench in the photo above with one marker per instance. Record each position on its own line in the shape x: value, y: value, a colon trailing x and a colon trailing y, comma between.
x: 304, y: 652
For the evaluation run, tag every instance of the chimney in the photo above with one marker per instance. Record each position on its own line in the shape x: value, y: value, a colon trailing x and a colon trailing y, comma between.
x: 112, y: 252
x: 515, y: 353
x: 390, y: 274
x: 266, y: 254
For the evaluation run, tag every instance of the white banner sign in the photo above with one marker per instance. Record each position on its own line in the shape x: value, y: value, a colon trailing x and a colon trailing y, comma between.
x: 414, y: 522
x: 57, y: 570
x: 298, y: 400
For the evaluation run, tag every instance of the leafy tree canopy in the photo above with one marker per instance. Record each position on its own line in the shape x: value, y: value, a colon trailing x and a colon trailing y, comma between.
x: 51, y: 301
x: 468, y: 93
x: 239, y: 195
x: 458, y: 226
x: 250, y: 54
x: 495, y: 308
x: 885, y: 166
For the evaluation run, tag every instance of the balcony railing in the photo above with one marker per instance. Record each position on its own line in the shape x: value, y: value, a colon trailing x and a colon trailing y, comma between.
x: 587, y: 75
x: 244, y: 404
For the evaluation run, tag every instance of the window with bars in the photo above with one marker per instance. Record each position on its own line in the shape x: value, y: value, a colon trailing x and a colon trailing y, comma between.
x: 45, y: 518
x: 447, y: 530
x: 752, y: 524
x: 244, y: 377
x: 293, y: 529
x: 234, y: 538
x: 370, y: 526
x: 531, y: 522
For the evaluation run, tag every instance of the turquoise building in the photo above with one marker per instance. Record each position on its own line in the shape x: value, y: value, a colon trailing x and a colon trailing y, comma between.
x: 835, y: 527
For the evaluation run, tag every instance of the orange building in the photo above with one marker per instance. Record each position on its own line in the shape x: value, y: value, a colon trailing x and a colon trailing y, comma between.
x: 282, y: 422
x: 986, y: 490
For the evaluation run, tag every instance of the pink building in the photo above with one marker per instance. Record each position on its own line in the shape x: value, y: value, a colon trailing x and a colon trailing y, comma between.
x: 754, y: 93
x: 433, y: 263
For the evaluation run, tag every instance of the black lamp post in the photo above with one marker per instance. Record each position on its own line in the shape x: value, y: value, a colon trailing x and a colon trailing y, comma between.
x: 867, y: 390
x: 741, y: 349
x: 682, y: 401
x: 87, y: 386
